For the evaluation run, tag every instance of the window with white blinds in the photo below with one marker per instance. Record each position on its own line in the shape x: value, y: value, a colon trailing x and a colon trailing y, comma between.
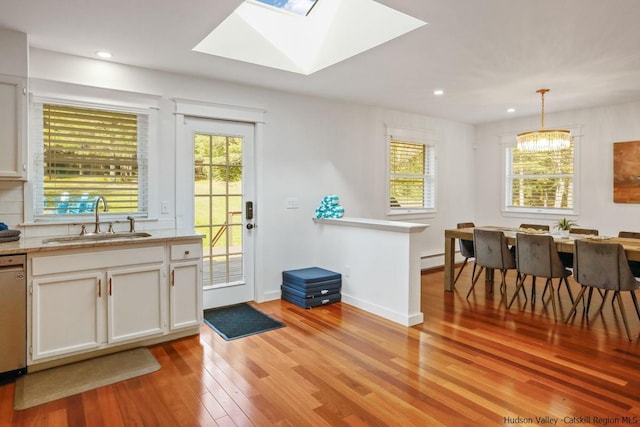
x: 540, y: 180
x: 87, y: 152
x: 411, y: 176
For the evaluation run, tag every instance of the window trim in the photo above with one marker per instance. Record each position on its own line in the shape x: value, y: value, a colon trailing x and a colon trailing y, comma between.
x: 48, y: 92
x: 509, y: 141
x: 418, y: 136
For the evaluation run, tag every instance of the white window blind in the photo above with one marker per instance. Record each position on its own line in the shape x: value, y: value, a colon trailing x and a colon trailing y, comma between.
x: 85, y: 152
x: 542, y: 180
x: 411, y: 175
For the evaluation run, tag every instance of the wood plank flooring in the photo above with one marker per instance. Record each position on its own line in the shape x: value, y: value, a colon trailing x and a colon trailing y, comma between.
x: 471, y: 363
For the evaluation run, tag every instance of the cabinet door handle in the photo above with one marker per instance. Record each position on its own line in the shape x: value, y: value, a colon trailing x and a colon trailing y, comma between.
x: 110, y: 290
x: 99, y: 288
x: 173, y: 277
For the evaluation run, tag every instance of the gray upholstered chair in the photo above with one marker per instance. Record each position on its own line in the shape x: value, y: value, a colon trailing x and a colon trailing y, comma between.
x: 491, y: 251
x: 587, y: 231
x: 567, y: 258
x: 635, y: 265
x: 629, y: 234
x: 604, y: 266
x: 535, y: 226
x: 466, y: 250
x: 536, y: 255
x: 539, y: 227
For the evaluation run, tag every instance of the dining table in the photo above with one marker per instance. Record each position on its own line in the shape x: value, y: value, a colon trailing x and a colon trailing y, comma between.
x: 563, y: 244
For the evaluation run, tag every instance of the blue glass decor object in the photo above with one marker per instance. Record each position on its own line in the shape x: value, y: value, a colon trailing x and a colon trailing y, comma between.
x: 330, y: 207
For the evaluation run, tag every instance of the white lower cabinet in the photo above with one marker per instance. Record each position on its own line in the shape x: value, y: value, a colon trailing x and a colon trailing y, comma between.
x: 83, y: 300
x: 185, y: 302
x: 89, y: 300
x: 71, y: 312
x: 135, y: 303
x: 185, y: 288
x: 67, y: 315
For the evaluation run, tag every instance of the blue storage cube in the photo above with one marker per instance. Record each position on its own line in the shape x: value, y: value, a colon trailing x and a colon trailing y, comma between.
x: 311, y: 302
x: 308, y: 276
x: 311, y: 287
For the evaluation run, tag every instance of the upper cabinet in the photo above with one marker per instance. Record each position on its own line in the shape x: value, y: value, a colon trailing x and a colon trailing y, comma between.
x: 13, y: 127
x: 14, y: 67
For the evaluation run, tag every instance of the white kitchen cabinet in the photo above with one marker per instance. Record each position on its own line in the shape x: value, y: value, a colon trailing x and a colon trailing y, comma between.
x: 90, y: 300
x: 185, y: 289
x: 13, y: 127
x: 87, y: 301
x: 68, y: 314
x: 135, y: 303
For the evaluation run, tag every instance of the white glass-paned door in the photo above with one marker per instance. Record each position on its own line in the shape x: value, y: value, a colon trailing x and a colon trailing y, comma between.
x: 223, y: 184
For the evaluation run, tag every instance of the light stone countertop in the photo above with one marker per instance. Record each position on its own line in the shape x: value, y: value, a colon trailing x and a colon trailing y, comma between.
x: 35, y: 244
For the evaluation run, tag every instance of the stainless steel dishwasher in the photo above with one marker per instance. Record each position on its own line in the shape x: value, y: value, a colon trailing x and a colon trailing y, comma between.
x: 13, y: 316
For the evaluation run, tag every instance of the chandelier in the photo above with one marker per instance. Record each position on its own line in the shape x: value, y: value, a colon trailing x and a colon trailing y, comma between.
x: 543, y: 139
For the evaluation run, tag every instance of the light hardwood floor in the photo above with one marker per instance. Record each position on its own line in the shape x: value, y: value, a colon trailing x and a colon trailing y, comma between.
x: 471, y: 363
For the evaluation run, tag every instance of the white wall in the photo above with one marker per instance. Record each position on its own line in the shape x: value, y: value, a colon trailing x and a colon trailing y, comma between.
x: 311, y: 146
x: 600, y: 128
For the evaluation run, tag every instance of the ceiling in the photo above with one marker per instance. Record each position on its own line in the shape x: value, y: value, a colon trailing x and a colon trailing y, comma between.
x: 487, y: 55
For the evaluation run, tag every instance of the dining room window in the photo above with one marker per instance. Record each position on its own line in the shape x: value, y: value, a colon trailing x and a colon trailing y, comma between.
x: 412, y: 172
x: 542, y: 181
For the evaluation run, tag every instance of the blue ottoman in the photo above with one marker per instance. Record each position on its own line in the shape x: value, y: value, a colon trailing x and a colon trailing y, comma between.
x: 311, y: 287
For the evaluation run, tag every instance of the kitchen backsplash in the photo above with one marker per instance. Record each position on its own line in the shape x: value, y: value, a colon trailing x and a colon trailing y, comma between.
x: 11, y: 203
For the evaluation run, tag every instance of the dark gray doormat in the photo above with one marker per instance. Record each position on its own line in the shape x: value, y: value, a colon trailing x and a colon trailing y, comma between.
x: 240, y: 320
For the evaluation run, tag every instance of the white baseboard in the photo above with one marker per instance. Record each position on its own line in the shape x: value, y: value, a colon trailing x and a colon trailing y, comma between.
x: 437, y: 260
x: 404, y: 320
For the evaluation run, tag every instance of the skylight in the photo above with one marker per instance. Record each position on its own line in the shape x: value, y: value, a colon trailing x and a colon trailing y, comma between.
x: 299, y: 7
x: 335, y: 30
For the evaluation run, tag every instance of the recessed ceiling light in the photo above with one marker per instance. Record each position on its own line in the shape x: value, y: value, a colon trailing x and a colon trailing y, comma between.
x: 511, y: 110
x: 438, y: 92
x: 104, y: 54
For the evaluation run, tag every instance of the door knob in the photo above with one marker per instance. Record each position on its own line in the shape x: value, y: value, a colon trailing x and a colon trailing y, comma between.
x: 250, y: 226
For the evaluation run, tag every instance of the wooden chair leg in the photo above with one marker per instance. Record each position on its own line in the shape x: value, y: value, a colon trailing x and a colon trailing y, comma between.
x: 604, y: 299
x: 552, y: 297
x: 602, y: 295
x: 474, y: 280
x: 635, y: 303
x: 566, y: 284
x: 588, y: 305
x: 519, y: 285
x: 503, y: 285
x: 524, y: 292
x: 533, y: 290
x: 544, y: 291
x: 575, y: 303
x: 464, y: 264
x: 624, y: 315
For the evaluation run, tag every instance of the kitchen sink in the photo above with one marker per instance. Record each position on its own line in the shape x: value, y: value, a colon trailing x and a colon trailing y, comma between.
x: 93, y: 237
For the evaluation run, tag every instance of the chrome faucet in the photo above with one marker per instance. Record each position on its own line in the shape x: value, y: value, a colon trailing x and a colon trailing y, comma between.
x: 95, y: 207
x: 132, y: 224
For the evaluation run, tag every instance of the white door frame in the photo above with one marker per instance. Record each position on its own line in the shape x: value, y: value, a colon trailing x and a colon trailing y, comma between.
x: 184, y: 166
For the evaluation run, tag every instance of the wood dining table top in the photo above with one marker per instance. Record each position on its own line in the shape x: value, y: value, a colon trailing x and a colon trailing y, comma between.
x: 563, y: 244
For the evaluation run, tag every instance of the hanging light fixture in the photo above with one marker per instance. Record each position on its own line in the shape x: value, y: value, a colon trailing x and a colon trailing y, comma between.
x: 544, y: 139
